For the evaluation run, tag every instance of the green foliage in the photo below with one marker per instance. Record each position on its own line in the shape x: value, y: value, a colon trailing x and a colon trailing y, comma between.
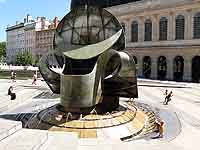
x: 24, y: 58
x: 36, y: 60
x: 2, y: 49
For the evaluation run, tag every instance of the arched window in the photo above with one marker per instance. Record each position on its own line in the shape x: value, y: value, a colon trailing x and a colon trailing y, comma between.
x: 134, y: 30
x: 136, y: 63
x: 148, y: 30
x: 195, y: 69
x: 123, y: 26
x: 178, y: 68
x: 196, y: 32
x: 147, y: 67
x: 162, y: 67
x: 163, y: 28
x: 135, y: 59
x: 180, y: 27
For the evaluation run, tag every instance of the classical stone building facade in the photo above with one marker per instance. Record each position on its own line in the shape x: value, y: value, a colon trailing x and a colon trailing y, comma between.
x: 163, y: 37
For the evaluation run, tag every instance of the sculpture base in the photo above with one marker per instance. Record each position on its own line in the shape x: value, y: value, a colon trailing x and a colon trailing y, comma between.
x: 124, y: 122
x: 108, y: 104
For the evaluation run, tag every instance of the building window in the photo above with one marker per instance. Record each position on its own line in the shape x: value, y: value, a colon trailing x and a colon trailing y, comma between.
x: 162, y: 67
x: 135, y: 59
x: 180, y: 27
x: 134, y: 36
x: 195, y: 69
x: 147, y: 67
x: 163, y: 29
x: 178, y: 68
x: 196, y: 32
x: 148, y: 30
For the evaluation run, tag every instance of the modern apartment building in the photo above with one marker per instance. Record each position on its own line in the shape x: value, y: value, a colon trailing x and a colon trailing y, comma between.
x: 15, y: 41
x: 35, y: 36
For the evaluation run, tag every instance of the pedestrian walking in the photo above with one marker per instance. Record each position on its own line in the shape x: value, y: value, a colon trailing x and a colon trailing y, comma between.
x: 168, y: 98
x: 34, y: 79
x: 166, y: 93
x: 12, y: 76
x: 15, y: 75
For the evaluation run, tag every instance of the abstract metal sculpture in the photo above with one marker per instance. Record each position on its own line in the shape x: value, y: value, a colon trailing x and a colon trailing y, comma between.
x: 99, y: 3
x: 88, y: 46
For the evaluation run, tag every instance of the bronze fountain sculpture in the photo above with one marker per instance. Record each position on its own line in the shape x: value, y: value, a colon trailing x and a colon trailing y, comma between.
x: 88, y: 47
x: 94, y: 72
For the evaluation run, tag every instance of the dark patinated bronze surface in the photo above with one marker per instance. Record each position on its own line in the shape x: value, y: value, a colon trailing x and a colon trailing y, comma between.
x: 93, y: 69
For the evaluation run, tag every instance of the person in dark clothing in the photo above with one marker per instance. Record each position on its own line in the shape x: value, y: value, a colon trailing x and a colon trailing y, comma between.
x: 11, y: 93
x: 10, y: 90
x: 13, y: 96
x: 168, y: 98
x: 166, y: 93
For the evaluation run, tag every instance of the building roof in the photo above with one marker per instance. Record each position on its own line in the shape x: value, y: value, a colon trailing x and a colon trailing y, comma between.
x: 46, y: 30
x: 20, y: 25
x: 144, y: 5
x: 30, y: 26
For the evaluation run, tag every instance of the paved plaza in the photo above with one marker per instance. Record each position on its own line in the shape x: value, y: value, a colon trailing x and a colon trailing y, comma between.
x: 181, y: 117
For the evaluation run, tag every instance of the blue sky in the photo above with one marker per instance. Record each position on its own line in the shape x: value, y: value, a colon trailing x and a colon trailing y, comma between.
x: 15, y: 10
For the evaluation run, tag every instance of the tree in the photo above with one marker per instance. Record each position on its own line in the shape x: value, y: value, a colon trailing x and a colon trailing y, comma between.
x: 2, y: 49
x: 36, y: 60
x: 24, y: 58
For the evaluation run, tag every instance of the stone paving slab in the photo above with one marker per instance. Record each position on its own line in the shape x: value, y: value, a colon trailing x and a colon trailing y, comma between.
x: 131, y: 146
x: 21, y: 97
x: 23, y: 94
x: 8, y: 127
x: 25, y: 140
x: 61, y: 141
x: 4, y: 98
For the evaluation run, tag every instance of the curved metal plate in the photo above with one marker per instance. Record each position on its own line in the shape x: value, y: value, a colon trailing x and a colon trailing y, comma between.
x: 124, y: 77
x: 84, y: 26
x: 93, y: 50
x: 51, y: 78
